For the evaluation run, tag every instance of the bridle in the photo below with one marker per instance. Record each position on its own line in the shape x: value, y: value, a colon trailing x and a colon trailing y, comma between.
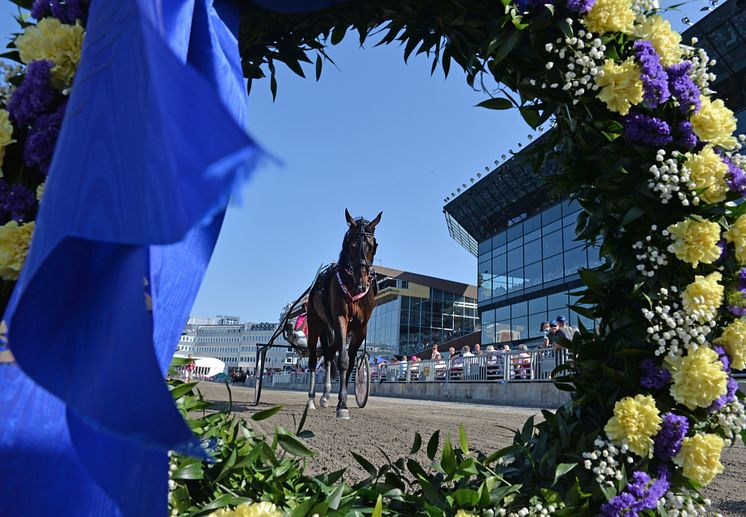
x: 357, y: 263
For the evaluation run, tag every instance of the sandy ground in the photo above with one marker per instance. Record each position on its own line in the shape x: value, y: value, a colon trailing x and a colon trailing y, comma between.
x: 391, y: 423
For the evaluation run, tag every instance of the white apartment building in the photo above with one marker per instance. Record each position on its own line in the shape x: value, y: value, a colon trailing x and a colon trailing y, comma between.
x: 235, y: 343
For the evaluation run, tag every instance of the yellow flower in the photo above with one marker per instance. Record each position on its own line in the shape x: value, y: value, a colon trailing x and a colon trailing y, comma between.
x: 715, y: 123
x: 737, y: 235
x: 704, y: 296
x: 733, y: 339
x: 665, y: 40
x: 15, y: 240
x: 610, y: 16
x: 698, y: 378
x: 700, y: 457
x: 263, y: 509
x: 6, y: 135
x: 40, y: 191
x: 695, y: 241
x: 464, y: 513
x: 55, y: 41
x: 620, y: 85
x: 635, y: 422
x: 708, y: 171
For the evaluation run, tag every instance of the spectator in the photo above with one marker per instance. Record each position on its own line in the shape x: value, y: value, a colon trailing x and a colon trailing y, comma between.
x: 451, y: 353
x: 466, y: 352
x: 544, y: 329
x: 522, y: 363
x: 435, y: 355
x: 553, y: 336
x: 477, y: 350
x: 564, y: 329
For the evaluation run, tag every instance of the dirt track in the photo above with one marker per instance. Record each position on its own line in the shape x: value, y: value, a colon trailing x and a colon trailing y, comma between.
x: 391, y: 423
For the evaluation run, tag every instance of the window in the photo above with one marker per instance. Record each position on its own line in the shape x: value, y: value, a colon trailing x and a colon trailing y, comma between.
x: 553, y: 268
x: 532, y: 251
x: 515, y: 259
x: 532, y: 274
x: 551, y: 214
x: 575, y: 259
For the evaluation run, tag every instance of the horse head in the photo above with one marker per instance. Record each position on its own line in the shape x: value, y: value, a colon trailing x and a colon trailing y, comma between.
x: 359, y: 249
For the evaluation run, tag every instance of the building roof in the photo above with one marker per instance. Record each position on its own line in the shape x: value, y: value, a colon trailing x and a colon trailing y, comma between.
x: 448, y: 286
x: 722, y: 33
x: 510, y: 190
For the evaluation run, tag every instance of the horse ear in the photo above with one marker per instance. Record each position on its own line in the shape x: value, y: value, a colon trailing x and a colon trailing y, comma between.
x: 374, y: 222
x: 350, y: 220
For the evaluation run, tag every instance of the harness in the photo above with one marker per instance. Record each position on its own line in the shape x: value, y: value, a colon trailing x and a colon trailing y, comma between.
x: 349, y: 297
x: 361, y: 261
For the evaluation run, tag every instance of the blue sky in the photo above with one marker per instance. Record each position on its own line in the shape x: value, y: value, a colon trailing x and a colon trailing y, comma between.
x: 374, y: 134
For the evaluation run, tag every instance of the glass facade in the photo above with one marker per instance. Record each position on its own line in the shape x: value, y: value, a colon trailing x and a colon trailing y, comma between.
x: 409, y: 324
x: 525, y: 273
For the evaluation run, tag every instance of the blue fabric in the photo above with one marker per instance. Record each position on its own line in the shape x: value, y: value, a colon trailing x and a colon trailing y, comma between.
x: 153, y: 143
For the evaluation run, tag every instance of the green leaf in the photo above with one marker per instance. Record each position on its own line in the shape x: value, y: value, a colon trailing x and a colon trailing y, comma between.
x: 432, y: 494
x: 304, y: 509
x: 265, y: 414
x: 417, y: 443
x: 507, y: 46
x: 432, y: 445
x: 368, y: 466
x: 448, y: 458
x: 531, y: 115
x: 182, y: 389
x: 293, y: 445
x: 495, y: 103
x: 190, y: 471
x: 462, y: 439
x: 378, y: 508
x: 465, y: 497
x: 335, y: 497
x: 562, y: 469
x: 338, y: 33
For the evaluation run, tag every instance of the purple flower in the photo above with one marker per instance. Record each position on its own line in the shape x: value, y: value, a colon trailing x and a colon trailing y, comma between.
x: 644, y: 129
x: 580, y: 6
x: 667, y: 443
x: 67, y: 12
x: 723, y: 356
x: 735, y: 310
x: 654, y: 77
x: 42, y: 138
x: 653, y: 377
x: 642, y: 493
x: 729, y: 396
x: 17, y: 203
x: 34, y: 96
x: 682, y: 87
x: 736, y: 176
x: 687, y: 138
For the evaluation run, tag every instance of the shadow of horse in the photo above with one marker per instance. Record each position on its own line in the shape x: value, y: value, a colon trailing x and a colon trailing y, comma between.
x: 339, y: 306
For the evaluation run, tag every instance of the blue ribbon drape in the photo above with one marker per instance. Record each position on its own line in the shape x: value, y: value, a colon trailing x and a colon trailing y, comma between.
x: 153, y: 143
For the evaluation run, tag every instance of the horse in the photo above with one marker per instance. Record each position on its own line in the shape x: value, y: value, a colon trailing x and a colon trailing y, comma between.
x: 339, y: 306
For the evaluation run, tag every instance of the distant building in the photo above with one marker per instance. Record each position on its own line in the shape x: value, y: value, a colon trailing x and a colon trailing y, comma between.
x: 234, y: 343
x: 415, y: 311
x: 523, y: 236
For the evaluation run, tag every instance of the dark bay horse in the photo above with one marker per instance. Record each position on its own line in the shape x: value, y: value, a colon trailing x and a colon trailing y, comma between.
x: 339, y: 306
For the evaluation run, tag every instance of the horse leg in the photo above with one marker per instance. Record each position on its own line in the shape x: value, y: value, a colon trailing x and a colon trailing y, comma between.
x: 357, y: 340
x: 313, y: 337
x: 343, y: 361
x: 328, y: 358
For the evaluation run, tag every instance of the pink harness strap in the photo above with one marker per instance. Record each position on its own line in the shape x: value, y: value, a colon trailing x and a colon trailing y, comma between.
x: 349, y: 297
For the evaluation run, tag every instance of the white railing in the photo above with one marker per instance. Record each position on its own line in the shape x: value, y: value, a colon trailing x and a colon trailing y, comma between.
x: 513, y: 366
x: 500, y: 366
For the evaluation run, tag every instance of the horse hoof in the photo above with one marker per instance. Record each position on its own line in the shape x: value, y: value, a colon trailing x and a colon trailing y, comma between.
x: 343, y: 414
x: 323, y: 402
x: 311, y: 404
